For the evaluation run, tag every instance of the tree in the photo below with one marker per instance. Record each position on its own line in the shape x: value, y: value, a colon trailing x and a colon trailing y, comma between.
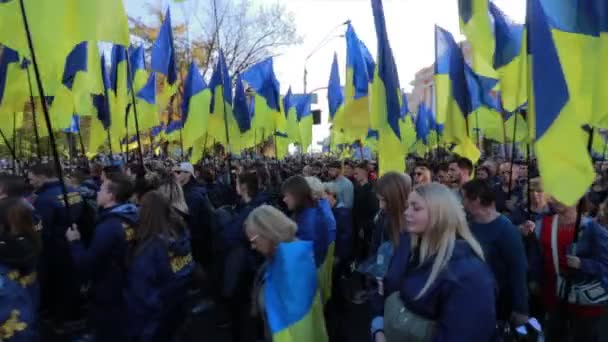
x: 247, y: 33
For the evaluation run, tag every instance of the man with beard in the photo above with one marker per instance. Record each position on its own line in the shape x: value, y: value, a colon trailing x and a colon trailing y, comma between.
x: 345, y: 186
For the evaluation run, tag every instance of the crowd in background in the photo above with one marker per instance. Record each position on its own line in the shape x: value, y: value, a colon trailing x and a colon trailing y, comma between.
x: 443, y: 252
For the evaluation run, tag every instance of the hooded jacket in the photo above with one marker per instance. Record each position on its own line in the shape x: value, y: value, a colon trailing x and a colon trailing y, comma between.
x: 157, y: 285
x: 18, y: 290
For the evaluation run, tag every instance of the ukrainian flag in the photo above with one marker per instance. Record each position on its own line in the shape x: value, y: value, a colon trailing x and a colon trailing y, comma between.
x: 484, y: 107
x: 267, y: 113
x: 385, y: 102
x: 453, y: 101
x: 354, y: 119
x: 102, y: 121
x: 147, y: 110
x: 163, y: 62
x: 563, y: 54
x: 475, y: 24
x: 292, y: 127
x: 221, y: 107
x: 195, y: 108
x: 63, y: 105
x: 57, y: 27
x: 292, y: 300
x: 335, y: 93
x: 118, y: 95
x: 305, y: 119
x: 13, y: 82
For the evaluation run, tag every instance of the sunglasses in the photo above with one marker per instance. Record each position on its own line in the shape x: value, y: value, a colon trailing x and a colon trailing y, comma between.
x: 179, y: 172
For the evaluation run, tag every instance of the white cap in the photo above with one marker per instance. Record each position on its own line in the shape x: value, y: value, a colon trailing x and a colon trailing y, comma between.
x: 186, y: 167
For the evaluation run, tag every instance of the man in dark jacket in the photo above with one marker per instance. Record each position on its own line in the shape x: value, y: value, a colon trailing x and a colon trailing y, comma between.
x: 503, y: 250
x: 60, y: 286
x: 103, y: 262
x: 200, y: 218
x: 364, y: 210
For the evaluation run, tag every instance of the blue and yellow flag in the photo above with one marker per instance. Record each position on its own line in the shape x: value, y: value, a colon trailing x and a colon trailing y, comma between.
x: 335, y: 93
x: 305, y: 120
x: 101, y: 122
x: 240, y: 106
x: 195, y: 108
x: 385, y: 101
x: 13, y: 82
x: 475, y: 24
x: 57, y: 27
x: 220, y: 110
x: 291, y: 295
x: 267, y: 110
x: 452, y: 94
x: 163, y: 62
x: 354, y: 118
x: 291, y: 115
x: 118, y: 92
x: 561, y: 100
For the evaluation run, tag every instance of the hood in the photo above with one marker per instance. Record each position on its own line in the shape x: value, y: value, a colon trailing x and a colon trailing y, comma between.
x: 47, y: 185
x: 18, y: 252
x: 126, y: 211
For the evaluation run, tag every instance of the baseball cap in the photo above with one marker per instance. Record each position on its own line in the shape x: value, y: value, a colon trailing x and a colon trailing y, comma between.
x: 185, y: 167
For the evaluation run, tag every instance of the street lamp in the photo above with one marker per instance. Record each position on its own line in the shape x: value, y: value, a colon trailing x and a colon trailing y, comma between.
x: 328, y: 38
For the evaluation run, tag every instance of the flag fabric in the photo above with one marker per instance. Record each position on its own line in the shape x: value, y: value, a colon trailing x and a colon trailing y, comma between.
x: 452, y: 94
x: 476, y: 25
x: 220, y: 110
x: 57, y: 27
x: 241, y: 106
x: 303, y: 105
x: 101, y: 122
x: 195, y: 108
x: 510, y: 59
x: 335, y: 96
x: 118, y: 92
x: 292, y: 300
x: 147, y: 108
x: 14, y: 90
x: 354, y: 119
x: 385, y: 101
x: 561, y: 100
x: 163, y: 51
x: 163, y: 63
x: 292, y: 125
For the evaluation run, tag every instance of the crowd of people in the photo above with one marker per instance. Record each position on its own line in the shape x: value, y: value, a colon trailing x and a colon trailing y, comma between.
x: 445, y: 251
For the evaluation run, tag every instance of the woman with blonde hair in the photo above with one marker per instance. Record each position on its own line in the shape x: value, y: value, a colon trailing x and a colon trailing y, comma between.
x: 287, y: 279
x: 443, y: 290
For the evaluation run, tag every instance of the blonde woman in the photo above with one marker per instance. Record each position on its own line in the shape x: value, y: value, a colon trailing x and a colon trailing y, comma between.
x: 445, y: 291
x: 288, y: 279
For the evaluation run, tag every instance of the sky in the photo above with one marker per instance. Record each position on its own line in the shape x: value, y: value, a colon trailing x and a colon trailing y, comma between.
x: 410, y: 25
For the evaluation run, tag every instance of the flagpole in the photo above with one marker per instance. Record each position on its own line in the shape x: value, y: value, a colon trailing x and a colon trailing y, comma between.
x: 14, y: 141
x: 130, y: 80
x: 11, y: 149
x: 36, y: 135
x: 512, y: 154
x: 181, y: 143
x: 81, y: 141
x: 45, y: 109
x: 219, y: 44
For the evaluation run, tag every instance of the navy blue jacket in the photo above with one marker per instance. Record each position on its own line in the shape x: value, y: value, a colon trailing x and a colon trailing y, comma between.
x: 312, y: 226
x: 505, y: 254
x: 104, y: 262
x: 158, y: 281
x: 50, y: 207
x: 461, y: 299
x: 592, y: 249
x: 199, y: 210
x: 232, y: 232
x: 344, y: 223
x: 17, y: 310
